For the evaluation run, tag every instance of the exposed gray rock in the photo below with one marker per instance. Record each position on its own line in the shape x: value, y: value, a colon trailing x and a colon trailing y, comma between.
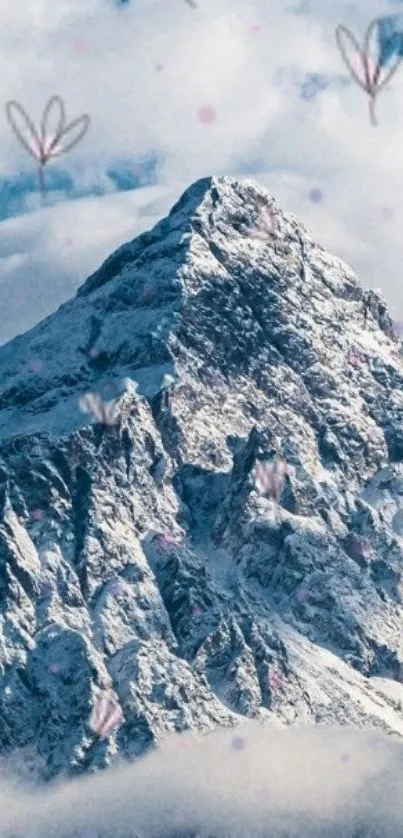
x: 139, y: 557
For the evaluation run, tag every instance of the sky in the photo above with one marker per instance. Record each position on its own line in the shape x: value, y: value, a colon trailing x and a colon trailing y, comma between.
x: 293, y: 783
x: 247, y: 88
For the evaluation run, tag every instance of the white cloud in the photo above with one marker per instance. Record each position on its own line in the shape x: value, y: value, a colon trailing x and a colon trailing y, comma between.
x: 104, y: 61
x: 46, y: 255
x: 296, y: 782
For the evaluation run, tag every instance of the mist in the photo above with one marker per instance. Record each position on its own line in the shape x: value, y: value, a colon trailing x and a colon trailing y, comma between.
x: 233, y: 783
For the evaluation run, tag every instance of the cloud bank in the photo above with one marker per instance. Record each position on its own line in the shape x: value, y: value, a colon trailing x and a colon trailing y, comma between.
x: 280, y: 107
x: 238, y: 783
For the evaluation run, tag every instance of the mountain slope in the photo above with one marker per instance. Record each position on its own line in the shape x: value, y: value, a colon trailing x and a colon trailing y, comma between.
x: 220, y: 347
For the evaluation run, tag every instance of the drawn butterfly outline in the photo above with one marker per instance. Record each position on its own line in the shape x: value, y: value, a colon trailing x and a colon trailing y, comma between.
x: 371, y: 71
x: 270, y: 476
x: 106, y: 413
x: 106, y: 716
x: 266, y: 226
x: 46, y: 144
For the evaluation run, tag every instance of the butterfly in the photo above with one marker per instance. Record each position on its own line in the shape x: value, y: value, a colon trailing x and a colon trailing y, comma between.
x: 270, y: 476
x: 106, y: 413
x: 266, y: 226
x: 47, y: 143
x: 275, y: 680
x: 106, y: 716
x: 164, y: 539
x: 375, y: 64
x: 355, y: 357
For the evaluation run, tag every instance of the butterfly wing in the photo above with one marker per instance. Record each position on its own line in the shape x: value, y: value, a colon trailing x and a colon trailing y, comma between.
x: 85, y: 402
x: 111, y: 410
x: 74, y: 132
x: 112, y: 719
x: 352, y: 56
x: 97, y: 717
x: 269, y: 220
x: 390, y: 46
x: 390, y: 37
x: 23, y: 128
x: 92, y: 403
x: 54, y: 110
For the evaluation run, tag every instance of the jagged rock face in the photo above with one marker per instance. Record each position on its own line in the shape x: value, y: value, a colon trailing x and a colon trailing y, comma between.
x: 139, y: 557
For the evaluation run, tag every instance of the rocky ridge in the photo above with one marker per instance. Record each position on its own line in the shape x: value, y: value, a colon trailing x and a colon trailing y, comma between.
x: 137, y: 554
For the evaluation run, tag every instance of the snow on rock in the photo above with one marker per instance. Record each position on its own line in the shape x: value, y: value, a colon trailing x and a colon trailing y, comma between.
x: 139, y: 557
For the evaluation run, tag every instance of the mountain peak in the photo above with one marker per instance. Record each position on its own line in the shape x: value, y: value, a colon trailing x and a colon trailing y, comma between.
x: 208, y: 206
x: 200, y: 483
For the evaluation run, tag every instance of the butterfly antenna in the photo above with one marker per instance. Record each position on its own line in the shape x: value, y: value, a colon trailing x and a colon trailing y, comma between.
x: 372, y: 114
x: 42, y: 186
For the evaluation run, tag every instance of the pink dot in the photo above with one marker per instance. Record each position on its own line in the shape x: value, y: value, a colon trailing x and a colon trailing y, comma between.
x: 80, y: 46
x: 256, y: 28
x: 35, y: 365
x: 207, y: 114
x: 20, y: 297
x: 68, y: 242
x: 93, y: 353
x: 180, y: 818
x: 159, y: 67
x: 37, y: 514
x: 302, y: 595
x: 387, y: 213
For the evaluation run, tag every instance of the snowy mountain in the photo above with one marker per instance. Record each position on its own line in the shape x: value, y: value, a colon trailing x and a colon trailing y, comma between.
x: 219, y: 359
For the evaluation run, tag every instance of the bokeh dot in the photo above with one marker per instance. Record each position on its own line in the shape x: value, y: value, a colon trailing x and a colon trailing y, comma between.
x: 35, y: 365
x: 207, y: 115
x: 238, y: 743
x: 387, y: 213
x: 315, y: 195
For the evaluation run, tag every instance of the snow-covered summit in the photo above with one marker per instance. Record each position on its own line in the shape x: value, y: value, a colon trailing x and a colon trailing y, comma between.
x: 138, y: 553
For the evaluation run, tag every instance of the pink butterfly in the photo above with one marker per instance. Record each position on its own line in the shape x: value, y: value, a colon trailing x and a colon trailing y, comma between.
x: 275, y: 680
x: 46, y: 144
x: 164, y: 539
x: 105, y: 717
x: 355, y: 357
x: 370, y: 73
x: 266, y: 226
x: 358, y: 546
x: 375, y: 435
x: 269, y: 477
